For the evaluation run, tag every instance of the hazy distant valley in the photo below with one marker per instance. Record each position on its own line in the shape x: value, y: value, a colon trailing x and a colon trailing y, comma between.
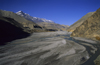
x: 27, y: 40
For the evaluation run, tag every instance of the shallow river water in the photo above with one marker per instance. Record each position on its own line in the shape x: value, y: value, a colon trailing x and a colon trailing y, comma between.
x: 50, y: 48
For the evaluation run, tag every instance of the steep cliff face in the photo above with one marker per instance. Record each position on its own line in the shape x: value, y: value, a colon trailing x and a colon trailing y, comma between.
x: 79, y: 22
x: 90, y: 28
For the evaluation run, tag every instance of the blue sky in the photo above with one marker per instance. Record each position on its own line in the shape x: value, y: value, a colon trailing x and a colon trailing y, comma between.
x: 64, y: 12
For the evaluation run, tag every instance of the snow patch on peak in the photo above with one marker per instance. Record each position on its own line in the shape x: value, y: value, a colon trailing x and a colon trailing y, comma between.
x: 20, y: 11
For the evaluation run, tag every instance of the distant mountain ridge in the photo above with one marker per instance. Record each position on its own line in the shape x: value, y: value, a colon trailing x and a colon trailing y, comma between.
x: 48, y: 24
x: 31, y: 26
x: 34, y: 19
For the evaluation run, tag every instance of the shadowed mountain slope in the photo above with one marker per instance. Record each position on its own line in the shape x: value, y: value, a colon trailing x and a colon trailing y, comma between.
x: 11, y: 30
x: 79, y: 22
x: 24, y: 22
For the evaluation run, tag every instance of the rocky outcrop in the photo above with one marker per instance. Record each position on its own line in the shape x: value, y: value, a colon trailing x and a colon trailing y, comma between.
x: 90, y: 28
x: 79, y: 22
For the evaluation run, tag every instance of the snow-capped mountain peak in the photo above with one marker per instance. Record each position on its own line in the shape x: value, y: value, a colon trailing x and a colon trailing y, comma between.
x: 34, y: 19
x: 20, y: 11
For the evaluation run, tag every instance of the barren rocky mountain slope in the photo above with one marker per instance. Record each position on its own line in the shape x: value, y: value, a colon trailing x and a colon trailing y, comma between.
x: 79, y: 22
x: 90, y: 28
